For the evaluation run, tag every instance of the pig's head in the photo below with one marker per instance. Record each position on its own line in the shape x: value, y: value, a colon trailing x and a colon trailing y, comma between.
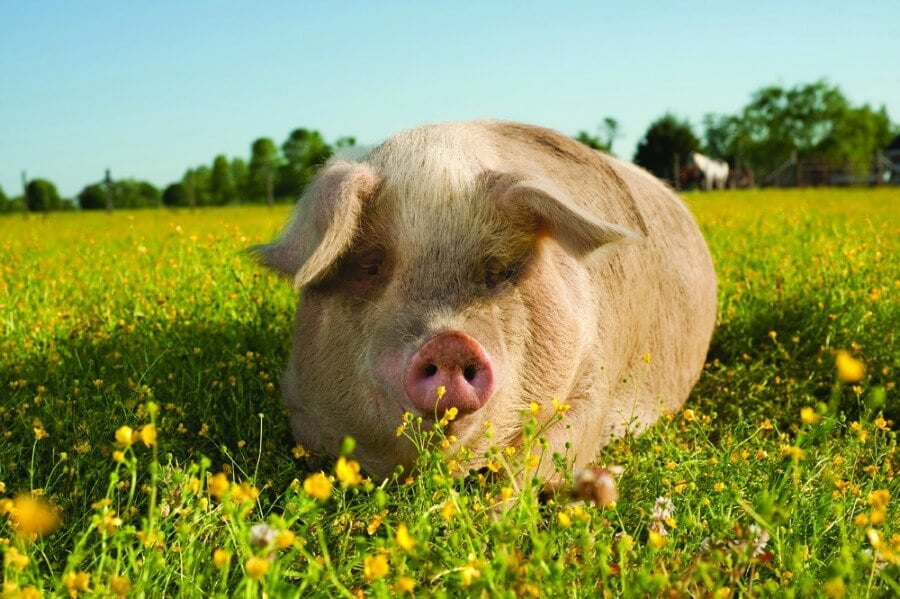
x: 422, y: 268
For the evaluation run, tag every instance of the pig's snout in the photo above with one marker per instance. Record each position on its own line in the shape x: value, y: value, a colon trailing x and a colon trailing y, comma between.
x: 455, y: 361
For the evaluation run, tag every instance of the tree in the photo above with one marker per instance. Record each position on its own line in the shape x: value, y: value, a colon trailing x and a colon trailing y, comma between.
x: 607, y: 133
x: 175, y: 195
x: 197, y: 186
x: 240, y: 175
x: 666, y: 141
x: 720, y: 137
x: 126, y: 193
x: 92, y: 197
x: 41, y: 196
x: 809, y: 121
x: 263, y: 168
x: 221, y: 182
x: 856, y: 137
x: 132, y: 193
x: 304, y: 151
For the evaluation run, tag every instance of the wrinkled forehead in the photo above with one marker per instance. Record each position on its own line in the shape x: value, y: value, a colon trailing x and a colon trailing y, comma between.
x: 417, y: 211
x: 434, y: 194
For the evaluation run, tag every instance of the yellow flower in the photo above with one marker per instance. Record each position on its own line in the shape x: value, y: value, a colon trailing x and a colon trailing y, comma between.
x: 285, y: 539
x: 404, y: 539
x: 564, y: 520
x: 347, y: 471
x: 299, y: 451
x: 874, y: 537
x: 448, y: 510
x: 439, y: 392
x: 534, y: 408
x: 375, y: 566
x: 31, y: 517
x: 794, y: 452
x: 879, y: 499
x: 109, y: 522
x: 16, y: 559
x: 221, y: 558
x: 118, y: 456
x: 560, y: 407
x: 808, y: 415
x: 148, y: 434
x: 375, y: 524
x: 860, y: 520
x: 405, y: 584
x: 76, y: 582
x: 849, y: 369
x: 120, y: 586
x: 688, y: 415
x: 494, y: 465
x: 256, y: 567
x: 506, y: 493
x: 656, y: 540
x: 719, y: 487
x: 244, y: 493
x: 218, y: 485
x: 40, y: 433
x: 125, y: 435
x: 317, y: 486
x: 30, y: 592
x: 834, y: 588
x: 471, y: 571
x: 449, y: 416
x: 646, y: 357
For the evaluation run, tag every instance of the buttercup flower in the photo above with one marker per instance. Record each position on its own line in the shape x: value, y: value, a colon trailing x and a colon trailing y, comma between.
x: 404, y: 539
x: 256, y: 567
x: 347, y: 471
x: 375, y: 566
x: 317, y: 486
x: 849, y: 369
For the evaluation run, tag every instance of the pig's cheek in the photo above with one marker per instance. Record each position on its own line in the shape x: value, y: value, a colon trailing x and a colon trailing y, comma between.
x: 388, y: 371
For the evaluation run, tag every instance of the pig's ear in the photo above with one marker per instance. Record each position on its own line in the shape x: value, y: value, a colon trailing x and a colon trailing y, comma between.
x: 573, y: 227
x: 324, y: 223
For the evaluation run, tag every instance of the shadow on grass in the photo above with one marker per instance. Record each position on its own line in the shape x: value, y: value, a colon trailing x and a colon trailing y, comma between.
x: 775, y: 359
x: 215, y: 382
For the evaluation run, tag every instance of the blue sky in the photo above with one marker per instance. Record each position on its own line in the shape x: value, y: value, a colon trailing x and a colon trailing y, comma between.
x: 149, y: 90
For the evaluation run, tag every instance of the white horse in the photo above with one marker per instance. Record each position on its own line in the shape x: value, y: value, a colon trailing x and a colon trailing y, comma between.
x: 715, y: 172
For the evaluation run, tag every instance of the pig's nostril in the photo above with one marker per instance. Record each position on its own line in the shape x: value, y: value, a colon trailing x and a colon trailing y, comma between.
x: 469, y: 372
x: 430, y: 370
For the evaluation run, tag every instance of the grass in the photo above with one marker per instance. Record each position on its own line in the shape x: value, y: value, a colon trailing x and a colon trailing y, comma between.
x: 778, y: 479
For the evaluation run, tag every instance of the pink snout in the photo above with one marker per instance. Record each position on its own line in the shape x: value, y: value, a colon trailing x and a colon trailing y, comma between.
x: 455, y: 361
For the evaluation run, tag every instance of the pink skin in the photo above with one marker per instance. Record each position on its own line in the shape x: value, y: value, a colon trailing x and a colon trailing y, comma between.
x: 455, y: 361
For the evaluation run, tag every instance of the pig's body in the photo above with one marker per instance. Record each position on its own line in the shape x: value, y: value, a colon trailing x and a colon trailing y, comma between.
x: 508, y: 263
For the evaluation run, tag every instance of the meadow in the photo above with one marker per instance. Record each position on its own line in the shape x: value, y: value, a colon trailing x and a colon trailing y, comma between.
x: 144, y: 450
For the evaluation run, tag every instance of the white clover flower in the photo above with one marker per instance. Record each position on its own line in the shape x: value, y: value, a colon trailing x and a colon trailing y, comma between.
x: 760, y: 539
x: 663, y: 509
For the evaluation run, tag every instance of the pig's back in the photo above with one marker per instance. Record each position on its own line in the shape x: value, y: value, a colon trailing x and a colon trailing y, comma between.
x: 656, y: 298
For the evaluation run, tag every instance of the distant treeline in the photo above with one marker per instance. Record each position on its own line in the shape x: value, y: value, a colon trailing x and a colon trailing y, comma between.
x: 808, y: 121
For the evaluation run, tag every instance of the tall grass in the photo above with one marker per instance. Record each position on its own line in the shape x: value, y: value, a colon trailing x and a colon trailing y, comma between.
x: 144, y: 450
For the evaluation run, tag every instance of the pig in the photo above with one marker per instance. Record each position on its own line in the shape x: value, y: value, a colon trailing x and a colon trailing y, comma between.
x: 488, y: 266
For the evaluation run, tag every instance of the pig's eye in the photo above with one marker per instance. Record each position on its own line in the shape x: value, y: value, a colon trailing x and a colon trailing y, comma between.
x: 366, y: 270
x: 496, y: 274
